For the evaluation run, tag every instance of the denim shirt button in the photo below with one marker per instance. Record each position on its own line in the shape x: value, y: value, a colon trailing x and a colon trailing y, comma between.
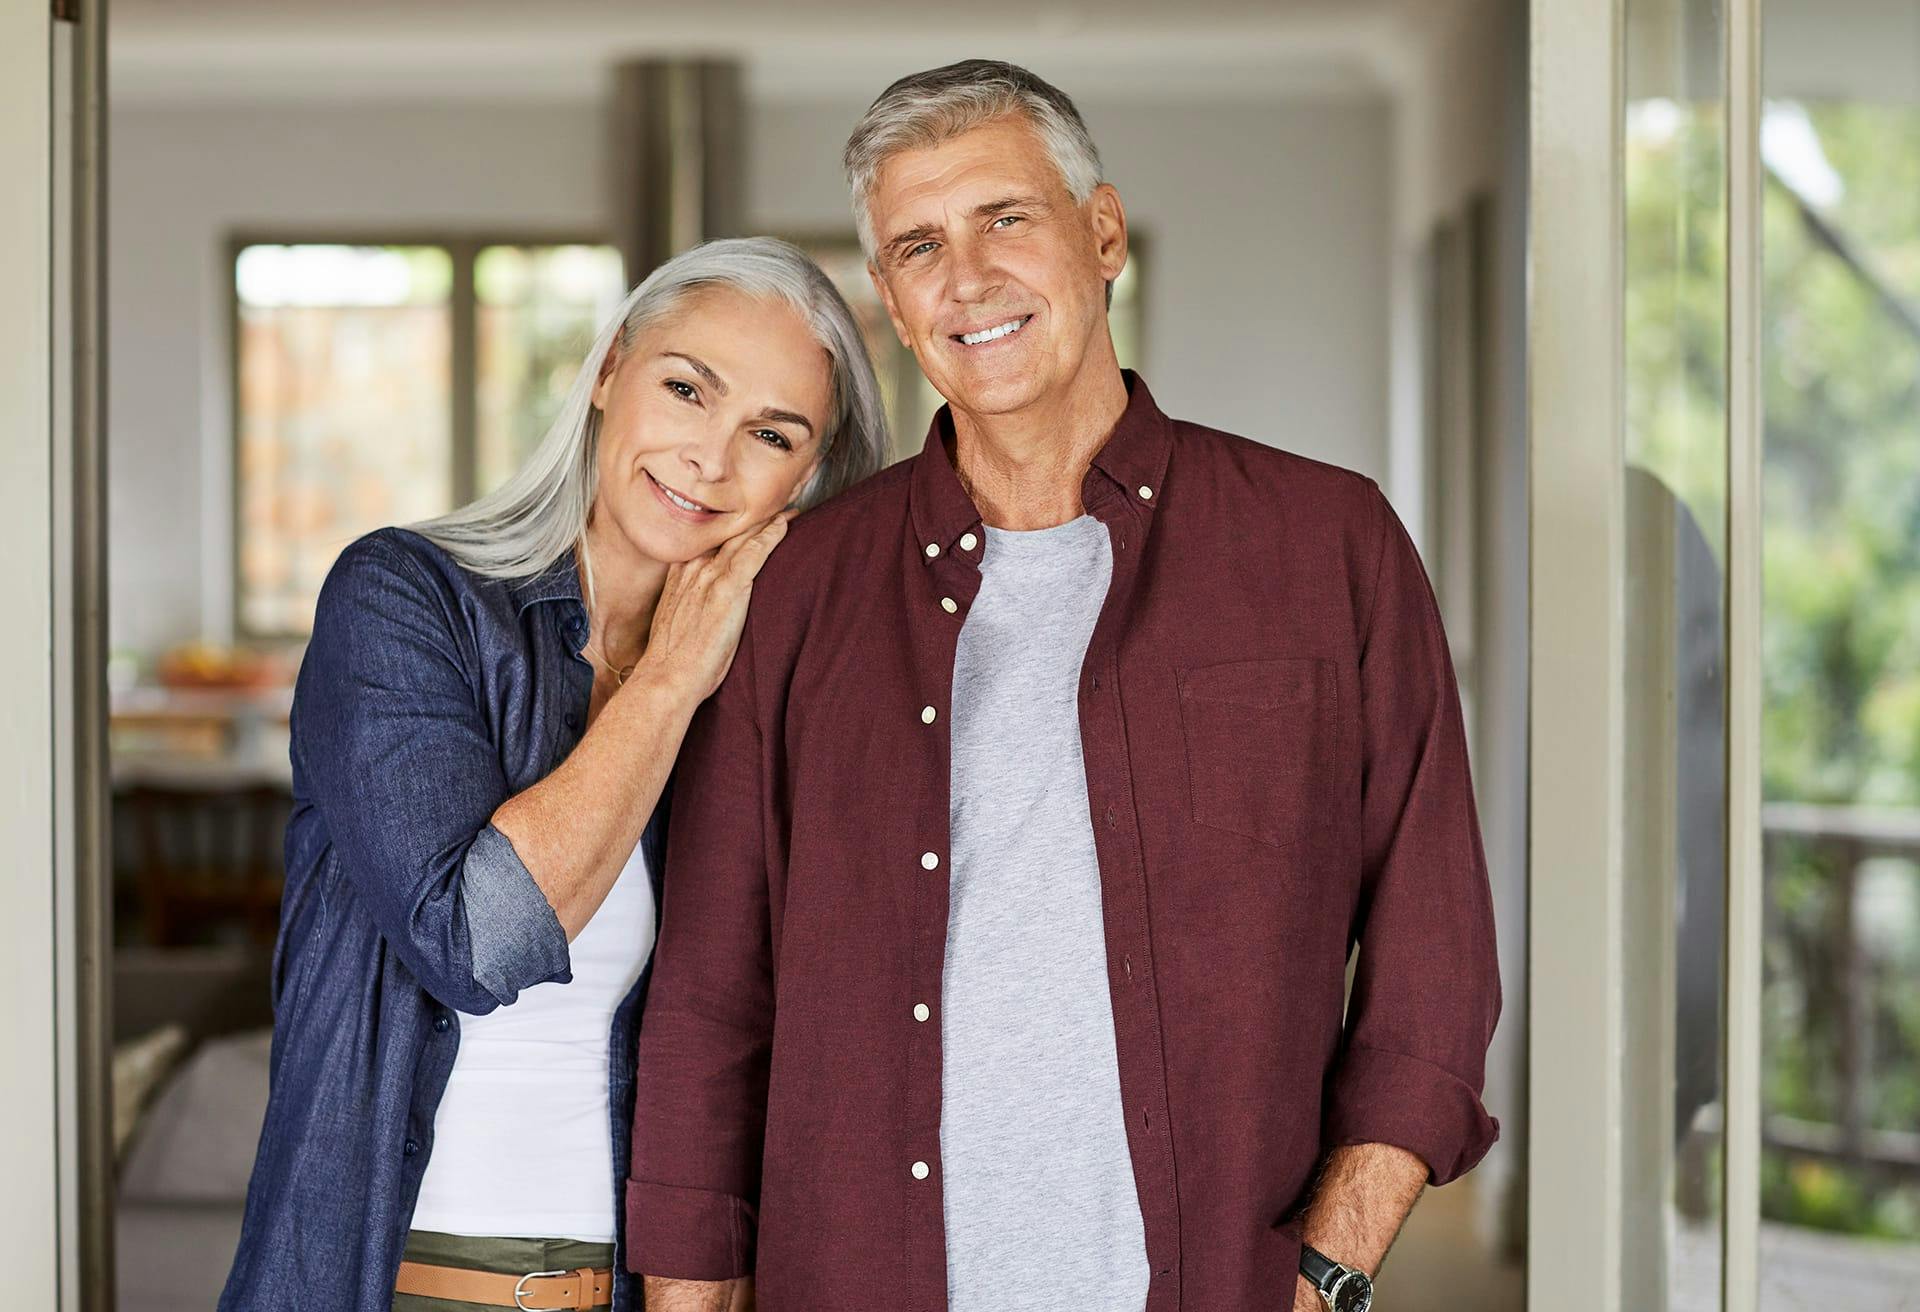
x: 573, y: 723
x: 410, y: 1147
x: 441, y: 1024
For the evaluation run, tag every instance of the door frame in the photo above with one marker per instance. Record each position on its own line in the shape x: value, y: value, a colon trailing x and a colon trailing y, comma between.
x: 1583, y: 951
x: 35, y: 1241
x: 55, y: 911
x: 1576, y: 501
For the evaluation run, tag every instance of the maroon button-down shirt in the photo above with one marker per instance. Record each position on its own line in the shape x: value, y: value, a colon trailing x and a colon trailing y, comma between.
x: 1276, y: 770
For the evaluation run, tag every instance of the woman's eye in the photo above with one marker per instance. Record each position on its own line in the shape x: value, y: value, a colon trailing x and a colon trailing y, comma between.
x: 773, y: 438
x: 685, y: 391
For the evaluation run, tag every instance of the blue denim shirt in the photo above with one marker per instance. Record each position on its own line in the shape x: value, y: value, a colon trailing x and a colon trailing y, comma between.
x: 428, y: 696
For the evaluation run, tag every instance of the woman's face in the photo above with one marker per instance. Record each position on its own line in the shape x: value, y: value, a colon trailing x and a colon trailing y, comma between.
x: 712, y: 423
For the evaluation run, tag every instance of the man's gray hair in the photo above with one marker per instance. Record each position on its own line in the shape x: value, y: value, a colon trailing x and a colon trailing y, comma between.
x: 541, y: 512
x: 924, y: 109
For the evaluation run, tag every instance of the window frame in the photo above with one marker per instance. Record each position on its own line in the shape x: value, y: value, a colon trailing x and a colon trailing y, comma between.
x: 462, y: 249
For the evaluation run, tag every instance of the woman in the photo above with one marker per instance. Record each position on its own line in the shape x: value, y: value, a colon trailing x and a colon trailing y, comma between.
x: 484, y: 724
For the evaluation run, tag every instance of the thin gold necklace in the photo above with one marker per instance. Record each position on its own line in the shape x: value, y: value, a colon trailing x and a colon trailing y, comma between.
x: 620, y: 676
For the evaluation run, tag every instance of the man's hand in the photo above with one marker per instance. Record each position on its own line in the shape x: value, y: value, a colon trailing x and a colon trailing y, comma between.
x: 698, y: 1295
x: 1306, y: 1298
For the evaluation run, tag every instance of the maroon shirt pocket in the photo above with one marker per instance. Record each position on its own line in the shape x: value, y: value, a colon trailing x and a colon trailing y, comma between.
x: 1257, y: 734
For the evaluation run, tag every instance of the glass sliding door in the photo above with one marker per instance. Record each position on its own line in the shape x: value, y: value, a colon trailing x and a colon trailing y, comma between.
x: 1674, y: 458
x: 1839, y: 1148
x: 1725, y: 464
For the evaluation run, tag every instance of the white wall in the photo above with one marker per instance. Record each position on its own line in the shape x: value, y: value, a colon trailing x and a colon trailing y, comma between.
x: 1265, y: 276
x: 181, y: 180
x: 1266, y: 291
x: 1461, y: 129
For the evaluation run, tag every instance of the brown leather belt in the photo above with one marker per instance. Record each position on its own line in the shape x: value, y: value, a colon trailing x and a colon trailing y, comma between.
x: 585, y: 1288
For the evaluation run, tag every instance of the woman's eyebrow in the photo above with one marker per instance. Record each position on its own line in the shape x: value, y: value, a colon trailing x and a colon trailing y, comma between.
x: 700, y: 367
x: 786, y: 417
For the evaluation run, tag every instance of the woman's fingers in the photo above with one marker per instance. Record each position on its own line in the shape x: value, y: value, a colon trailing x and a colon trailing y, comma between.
x: 756, y: 547
x: 703, y: 605
x: 761, y: 538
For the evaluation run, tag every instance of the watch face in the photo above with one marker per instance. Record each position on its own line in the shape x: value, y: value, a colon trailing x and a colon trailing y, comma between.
x: 1354, y: 1293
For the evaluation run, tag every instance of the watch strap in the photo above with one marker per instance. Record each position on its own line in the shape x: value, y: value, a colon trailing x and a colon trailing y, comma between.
x: 1319, y: 1269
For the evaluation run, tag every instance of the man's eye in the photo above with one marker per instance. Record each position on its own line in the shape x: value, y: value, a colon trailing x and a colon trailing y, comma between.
x: 1006, y: 219
x: 920, y: 249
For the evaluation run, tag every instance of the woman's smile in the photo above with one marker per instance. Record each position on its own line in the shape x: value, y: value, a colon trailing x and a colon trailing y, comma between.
x: 682, y: 507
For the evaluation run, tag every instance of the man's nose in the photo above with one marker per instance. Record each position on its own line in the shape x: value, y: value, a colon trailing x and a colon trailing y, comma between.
x: 974, y: 277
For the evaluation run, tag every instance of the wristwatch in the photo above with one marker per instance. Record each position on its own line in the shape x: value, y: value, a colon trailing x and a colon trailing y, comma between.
x: 1341, y: 1287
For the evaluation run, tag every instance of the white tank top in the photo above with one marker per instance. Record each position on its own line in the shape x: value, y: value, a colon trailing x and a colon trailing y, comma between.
x: 522, y: 1143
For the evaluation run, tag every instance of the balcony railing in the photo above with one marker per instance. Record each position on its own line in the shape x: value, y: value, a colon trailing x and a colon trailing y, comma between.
x: 1842, y: 840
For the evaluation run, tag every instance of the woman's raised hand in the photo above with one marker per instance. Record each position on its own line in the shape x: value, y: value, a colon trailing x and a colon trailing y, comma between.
x: 703, y: 608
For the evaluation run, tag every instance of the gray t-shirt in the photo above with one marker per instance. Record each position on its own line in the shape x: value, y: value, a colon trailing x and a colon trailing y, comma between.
x: 1041, y: 1210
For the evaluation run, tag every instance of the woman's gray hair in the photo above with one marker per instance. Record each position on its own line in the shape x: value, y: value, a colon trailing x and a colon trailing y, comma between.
x: 924, y: 109
x: 541, y: 512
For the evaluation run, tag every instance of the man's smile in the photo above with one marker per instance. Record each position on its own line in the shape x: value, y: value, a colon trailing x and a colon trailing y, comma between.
x: 995, y: 333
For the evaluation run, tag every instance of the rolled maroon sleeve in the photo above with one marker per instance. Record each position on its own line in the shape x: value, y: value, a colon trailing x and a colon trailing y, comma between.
x: 701, y: 1081
x: 1426, y: 989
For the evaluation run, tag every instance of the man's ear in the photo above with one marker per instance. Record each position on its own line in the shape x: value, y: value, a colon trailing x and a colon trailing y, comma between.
x: 886, y: 299
x: 1108, y: 218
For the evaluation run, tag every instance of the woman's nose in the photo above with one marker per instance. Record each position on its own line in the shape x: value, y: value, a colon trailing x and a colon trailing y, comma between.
x: 706, y: 452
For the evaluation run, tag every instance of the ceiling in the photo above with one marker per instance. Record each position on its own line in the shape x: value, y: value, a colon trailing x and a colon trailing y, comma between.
x: 197, y: 50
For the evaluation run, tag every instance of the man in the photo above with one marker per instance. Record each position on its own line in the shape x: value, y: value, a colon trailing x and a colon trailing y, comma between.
x: 1022, y: 852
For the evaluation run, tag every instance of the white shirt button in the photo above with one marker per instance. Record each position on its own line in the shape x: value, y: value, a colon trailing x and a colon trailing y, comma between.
x: 927, y: 714
x: 929, y: 861
x: 947, y: 605
x: 921, y: 1011
x: 968, y: 542
x: 920, y: 1170
x: 933, y: 549
x: 1146, y: 494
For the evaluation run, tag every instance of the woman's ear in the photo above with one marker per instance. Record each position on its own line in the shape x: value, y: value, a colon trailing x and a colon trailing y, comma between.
x: 806, y: 482
x: 603, y: 384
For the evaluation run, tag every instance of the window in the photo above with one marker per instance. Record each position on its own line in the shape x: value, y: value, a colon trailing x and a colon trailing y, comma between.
x: 379, y: 383
x: 385, y: 382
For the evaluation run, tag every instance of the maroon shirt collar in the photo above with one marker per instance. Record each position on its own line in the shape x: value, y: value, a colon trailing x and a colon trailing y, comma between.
x: 1132, y: 458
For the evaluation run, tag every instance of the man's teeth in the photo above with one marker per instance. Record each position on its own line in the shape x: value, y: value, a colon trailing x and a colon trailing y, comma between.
x: 989, y: 334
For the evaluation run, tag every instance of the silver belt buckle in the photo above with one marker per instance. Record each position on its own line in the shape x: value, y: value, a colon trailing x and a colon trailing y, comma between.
x: 520, y: 1287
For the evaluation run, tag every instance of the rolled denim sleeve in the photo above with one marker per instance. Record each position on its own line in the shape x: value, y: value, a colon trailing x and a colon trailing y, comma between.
x: 516, y: 939
x: 391, y: 745
x: 1426, y: 990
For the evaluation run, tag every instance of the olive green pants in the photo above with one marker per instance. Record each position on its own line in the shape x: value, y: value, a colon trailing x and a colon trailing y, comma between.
x: 513, y: 1257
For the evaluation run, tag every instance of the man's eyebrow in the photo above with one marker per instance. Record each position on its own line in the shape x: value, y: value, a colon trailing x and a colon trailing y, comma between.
x: 786, y: 417
x: 700, y: 367
x: 911, y: 236
x: 1006, y: 203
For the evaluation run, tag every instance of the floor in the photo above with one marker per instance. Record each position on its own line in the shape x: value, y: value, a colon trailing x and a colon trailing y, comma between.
x: 1806, y: 1271
x: 1443, y: 1264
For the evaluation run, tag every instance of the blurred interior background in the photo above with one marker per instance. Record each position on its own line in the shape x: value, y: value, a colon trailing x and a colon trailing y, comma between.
x: 357, y: 249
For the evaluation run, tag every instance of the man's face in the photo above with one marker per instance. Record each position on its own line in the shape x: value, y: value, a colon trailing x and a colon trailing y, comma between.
x: 993, y: 276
